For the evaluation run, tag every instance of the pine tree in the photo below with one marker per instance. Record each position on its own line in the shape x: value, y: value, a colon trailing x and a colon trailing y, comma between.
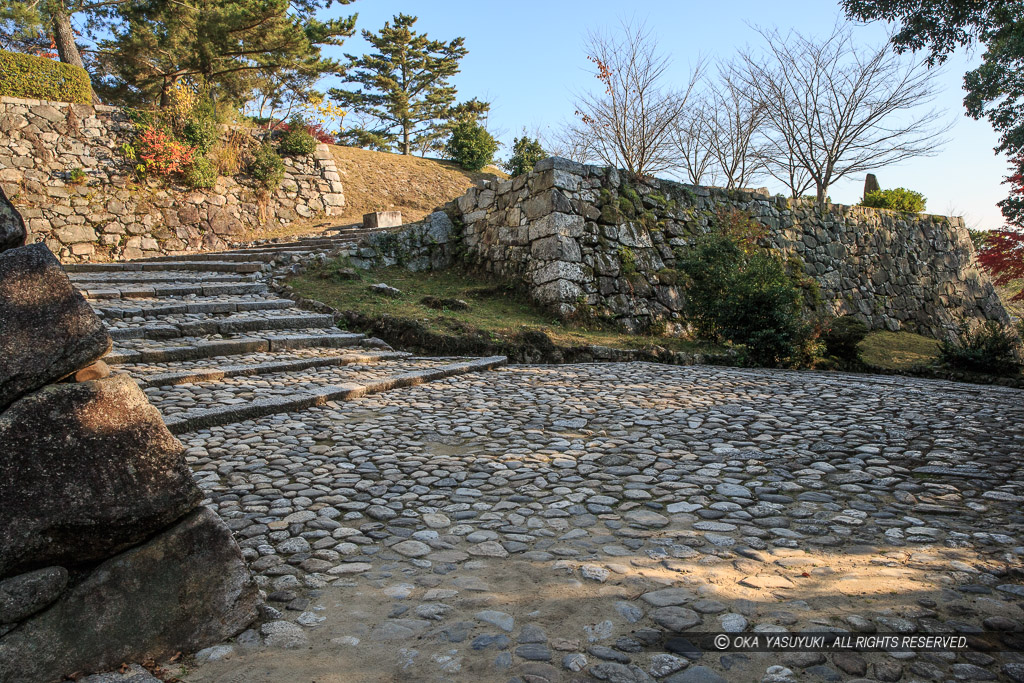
x: 405, y: 87
x: 226, y: 44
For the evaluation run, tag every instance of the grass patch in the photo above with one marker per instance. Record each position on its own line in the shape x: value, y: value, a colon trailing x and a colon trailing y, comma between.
x: 496, y: 309
x: 898, y: 350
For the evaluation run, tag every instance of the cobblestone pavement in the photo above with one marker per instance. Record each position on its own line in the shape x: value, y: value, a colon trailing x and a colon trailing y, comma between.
x: 578, y: 522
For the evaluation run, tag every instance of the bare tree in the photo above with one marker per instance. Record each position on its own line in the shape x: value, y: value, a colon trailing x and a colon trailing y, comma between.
x: 630, y: 122
x: 690, y: 136
x: 834, y: 109
x: 571, y: 141
x: 779, y: 160
x: 734, y: 119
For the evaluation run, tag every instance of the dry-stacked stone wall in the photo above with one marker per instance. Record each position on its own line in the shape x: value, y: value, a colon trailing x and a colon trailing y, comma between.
x: 586, y: 239
x: 110, y: 215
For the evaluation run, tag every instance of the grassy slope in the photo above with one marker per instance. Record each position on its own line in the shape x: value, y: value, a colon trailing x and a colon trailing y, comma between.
x: 493, y: 309
x: 500, y: 312
x: 378, y: 181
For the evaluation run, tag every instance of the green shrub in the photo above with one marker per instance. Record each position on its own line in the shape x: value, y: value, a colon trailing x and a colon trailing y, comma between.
x: 841, y: 337
x: 201, y: 132
x: 526, y: 152
x: 142, y: 118
x: 747, y: 297
x: 77, y: 176
x: 471, y: 145
x: 39, y: 78
x: 266, y: 166
x: 990, y: 348
x: 297, y: 141
x: 899, y: 199
x: 201, y: 174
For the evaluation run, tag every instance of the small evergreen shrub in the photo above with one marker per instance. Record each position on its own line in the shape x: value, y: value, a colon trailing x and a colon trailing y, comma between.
x: 737, y: 292
x: 471, y: 145
x: 201, y: 174
x: 898, y: 199
x: 526, y: 152
x: 200, y: 132
x: 266, y: 166
x: 990, y: 348
x: 77, y: 176
x: 296, y: 140
x: 841, y: 337
x: 40, y: 78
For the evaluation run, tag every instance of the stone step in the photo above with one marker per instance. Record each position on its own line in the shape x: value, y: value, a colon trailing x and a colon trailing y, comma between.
x: 251, y: 408
x: 293, y: 248
x: 193, y: 348
x: 202, y: 365
x: 212, y: 373
x: 177, y: 265
x: 143, y: 278
x: 152, y: 307
x: 264, y: 255
x: 204, y: 324
x: 98, y: 291
x: 218, y: 392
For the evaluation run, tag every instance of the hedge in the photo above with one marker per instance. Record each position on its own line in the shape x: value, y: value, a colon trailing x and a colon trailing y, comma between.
x: 39, y: 78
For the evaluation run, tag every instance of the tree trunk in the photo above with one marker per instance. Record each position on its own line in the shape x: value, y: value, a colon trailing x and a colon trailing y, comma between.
x: 165, y: 93
x: 64, y: 39
x: 821, y: 195
x: 406, y: 146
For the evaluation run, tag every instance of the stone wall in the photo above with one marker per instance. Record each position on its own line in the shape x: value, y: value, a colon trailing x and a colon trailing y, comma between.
x: 111, y: 216
x: 583, y: 239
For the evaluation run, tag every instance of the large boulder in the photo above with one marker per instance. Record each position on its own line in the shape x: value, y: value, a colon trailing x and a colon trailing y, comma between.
x: 47, y: 330
x: 186, y: 589
x: 86, y: 470
x: 12, y: 227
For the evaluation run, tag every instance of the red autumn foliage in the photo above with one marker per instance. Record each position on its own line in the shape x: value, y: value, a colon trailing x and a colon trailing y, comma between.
x: 162, y: 153
x: 317, y: 130
x: 1003, y: 257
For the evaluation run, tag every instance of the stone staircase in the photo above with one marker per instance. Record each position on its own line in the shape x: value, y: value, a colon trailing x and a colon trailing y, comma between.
x: 211, y: 344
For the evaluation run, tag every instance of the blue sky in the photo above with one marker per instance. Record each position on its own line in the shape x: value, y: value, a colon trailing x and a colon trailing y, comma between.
x: 527, y: 58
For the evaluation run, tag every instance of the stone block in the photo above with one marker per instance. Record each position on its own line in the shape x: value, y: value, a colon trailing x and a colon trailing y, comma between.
x: 87, y: 470
x: 382, y: 219
x: 556, y: 292
x: 560, y: 270
x: 556, y: 224
x: 439, y: 228
x: 47, y: 330
x: 559, y: 164
x: 12, y: 227
x: 555, y: 248
x: 546, y: 202
x: 185, y: 589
